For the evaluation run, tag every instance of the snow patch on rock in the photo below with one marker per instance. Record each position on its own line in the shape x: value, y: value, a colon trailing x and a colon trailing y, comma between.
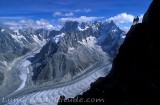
x: 57, y: 37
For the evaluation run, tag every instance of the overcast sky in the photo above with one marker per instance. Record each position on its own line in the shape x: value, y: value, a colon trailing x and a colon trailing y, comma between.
x: 52, y: 13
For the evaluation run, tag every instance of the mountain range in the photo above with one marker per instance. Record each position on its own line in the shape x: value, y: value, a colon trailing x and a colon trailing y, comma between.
x: 65, y: 53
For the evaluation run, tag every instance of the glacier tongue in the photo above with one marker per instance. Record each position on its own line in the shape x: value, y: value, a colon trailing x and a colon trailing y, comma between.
x: 24, y: 72
x: 23, y: 69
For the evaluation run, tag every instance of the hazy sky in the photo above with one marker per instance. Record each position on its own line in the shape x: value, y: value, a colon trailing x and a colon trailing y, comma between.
x: 54, y: 12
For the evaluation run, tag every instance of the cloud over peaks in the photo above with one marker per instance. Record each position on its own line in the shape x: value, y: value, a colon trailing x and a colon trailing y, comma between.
x: 23, y: 24
x: 55, y: 14
x: 122, y: 18
x: 79, y: 19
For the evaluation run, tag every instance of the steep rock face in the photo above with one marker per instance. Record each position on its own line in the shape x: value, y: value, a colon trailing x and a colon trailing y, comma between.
x: 134, y: 78
x: 111, y: 38
x: 70, y: 26
x: 152, y: 14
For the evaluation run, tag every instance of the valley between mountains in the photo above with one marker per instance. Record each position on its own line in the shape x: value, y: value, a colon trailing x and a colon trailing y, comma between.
x: 39, y: 64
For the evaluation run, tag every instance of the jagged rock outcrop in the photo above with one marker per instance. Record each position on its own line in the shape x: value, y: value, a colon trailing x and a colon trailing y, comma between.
x: 70, y: 26
x: 134, y: 78
x: 111, y: 38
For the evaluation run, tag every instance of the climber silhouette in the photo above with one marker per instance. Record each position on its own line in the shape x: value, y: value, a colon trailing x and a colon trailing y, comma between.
x: 135, y: 20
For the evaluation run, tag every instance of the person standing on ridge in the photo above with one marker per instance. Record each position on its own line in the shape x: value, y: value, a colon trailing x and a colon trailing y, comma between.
x: 135, y: 20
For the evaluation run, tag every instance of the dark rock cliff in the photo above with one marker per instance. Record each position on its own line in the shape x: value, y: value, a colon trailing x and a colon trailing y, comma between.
x: 134, y: 78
